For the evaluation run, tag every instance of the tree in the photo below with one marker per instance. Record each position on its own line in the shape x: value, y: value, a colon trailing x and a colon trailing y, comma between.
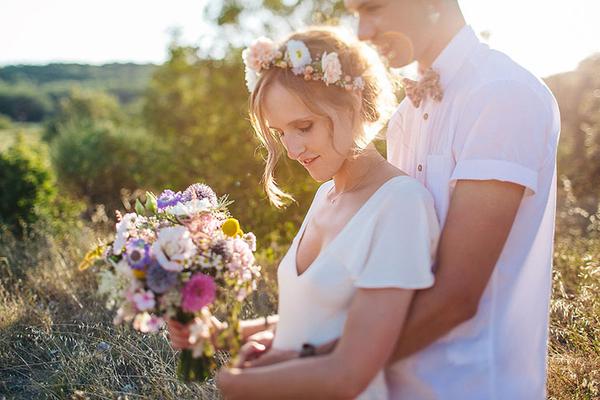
x: 578, y: 96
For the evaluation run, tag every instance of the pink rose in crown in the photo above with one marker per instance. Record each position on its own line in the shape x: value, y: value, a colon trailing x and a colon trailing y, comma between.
x: 332, y: 69
x: 260, y: 53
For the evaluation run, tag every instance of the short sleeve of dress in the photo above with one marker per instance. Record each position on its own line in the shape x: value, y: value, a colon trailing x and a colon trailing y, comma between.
x: 396, y: 247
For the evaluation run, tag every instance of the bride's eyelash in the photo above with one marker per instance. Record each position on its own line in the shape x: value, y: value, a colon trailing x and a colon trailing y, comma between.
x: 306, y: 128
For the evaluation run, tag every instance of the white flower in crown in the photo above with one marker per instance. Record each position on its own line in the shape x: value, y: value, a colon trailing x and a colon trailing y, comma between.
x: 251, y: 79
x: 332, y: 69
x: 359, y: 83
x: 260, y: 54
x: 299, y: 56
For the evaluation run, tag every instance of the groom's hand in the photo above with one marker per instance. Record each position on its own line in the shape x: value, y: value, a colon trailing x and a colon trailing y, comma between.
x: 269, y: 357
x: 274, y: 356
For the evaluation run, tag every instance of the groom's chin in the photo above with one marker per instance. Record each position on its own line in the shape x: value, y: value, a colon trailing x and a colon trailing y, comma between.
x: 398, y: 60
x: 396, y: 48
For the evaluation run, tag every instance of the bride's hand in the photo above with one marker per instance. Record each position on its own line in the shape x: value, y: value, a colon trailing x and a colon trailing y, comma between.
x: 179, y: 333
x: 255, y: 346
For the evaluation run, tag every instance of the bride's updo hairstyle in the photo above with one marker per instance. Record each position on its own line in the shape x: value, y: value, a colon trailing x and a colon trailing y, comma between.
x: 361, y: 92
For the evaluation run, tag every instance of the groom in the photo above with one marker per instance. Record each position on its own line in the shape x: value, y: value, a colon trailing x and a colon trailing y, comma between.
x: 480, y: 132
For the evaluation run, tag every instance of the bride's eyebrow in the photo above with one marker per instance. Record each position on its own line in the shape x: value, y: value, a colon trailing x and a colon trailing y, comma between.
x: 360, y: 5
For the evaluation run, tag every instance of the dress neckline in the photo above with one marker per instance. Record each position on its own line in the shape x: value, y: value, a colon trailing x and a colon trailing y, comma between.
x: 331, y: 242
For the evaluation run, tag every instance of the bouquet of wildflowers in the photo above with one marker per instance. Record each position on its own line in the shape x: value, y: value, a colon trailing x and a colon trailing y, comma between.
x: 180, y: 256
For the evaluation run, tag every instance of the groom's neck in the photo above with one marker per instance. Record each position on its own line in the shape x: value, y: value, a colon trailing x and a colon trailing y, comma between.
x: 450, y: 22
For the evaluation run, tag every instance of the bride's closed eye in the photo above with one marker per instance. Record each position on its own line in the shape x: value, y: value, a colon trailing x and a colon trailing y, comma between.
x: 306, y: 127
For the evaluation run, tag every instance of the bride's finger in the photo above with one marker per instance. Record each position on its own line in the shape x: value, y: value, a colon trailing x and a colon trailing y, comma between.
x: 218, y: 324
x: 248, y: 352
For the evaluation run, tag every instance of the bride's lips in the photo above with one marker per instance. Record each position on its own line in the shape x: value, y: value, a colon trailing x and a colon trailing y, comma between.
x: 307, y: 161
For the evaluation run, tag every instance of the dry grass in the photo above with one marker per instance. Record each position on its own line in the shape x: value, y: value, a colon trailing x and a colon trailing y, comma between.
x: 57, y: 340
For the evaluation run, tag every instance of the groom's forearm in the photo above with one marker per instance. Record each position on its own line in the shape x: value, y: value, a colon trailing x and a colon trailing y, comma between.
x: 432, y: 315
x: 479, y: 221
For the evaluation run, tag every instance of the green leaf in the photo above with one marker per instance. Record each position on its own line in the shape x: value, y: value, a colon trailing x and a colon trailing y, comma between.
x: 139, y: 208
x: 151, y: 203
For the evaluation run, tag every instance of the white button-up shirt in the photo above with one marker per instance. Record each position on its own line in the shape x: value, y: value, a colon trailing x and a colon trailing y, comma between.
x: 495, y: 122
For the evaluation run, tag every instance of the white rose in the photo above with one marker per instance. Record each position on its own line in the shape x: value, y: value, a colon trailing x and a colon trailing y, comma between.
x: 173, y: 247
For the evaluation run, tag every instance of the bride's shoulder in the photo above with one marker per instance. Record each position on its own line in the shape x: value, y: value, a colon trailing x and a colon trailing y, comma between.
x: 406, y: 189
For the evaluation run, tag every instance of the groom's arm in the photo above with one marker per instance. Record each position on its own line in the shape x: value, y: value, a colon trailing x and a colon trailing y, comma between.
x: 480, y: 217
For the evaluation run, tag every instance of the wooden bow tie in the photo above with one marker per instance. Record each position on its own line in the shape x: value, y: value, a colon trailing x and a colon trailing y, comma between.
x: 428, y: 85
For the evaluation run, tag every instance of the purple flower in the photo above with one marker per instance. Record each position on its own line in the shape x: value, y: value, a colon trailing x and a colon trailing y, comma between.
x: 198, y: 292
x: 158, y: 279
x: 224, y: 248
x: 137, y: 252
x: 168, y: 198
x: 200, y: 191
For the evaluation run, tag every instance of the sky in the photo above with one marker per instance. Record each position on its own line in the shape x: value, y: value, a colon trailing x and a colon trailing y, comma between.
x: 546, y: 36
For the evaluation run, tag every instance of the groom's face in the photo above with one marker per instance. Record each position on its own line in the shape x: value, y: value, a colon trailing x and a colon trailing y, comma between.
x: 399, y: 29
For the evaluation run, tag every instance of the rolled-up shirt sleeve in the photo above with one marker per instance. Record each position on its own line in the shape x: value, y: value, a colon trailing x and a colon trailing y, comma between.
x: 502, y: 135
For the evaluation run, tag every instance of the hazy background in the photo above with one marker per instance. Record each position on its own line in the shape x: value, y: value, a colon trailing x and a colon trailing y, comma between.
x: 101, y: 101
x: 546, y: 36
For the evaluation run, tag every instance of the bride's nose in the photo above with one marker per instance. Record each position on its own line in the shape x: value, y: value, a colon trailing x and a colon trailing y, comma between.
x: 294, y: 145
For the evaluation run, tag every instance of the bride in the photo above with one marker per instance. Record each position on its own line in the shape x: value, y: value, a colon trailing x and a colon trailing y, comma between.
x: 368, y: 239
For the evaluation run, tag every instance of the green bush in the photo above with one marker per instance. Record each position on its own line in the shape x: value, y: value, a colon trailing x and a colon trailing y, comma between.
x: 26, y: 185
x: 82, y: 107
x: 94, y: 161
x: 24, y: 102
x: 30, y: 199
x: 5, y: 122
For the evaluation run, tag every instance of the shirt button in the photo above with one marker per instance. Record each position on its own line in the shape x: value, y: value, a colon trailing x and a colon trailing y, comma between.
x: 420, y: 168
x: 425, y: 116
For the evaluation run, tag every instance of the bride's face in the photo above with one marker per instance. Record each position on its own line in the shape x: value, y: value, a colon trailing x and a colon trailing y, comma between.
x: 307, y: 137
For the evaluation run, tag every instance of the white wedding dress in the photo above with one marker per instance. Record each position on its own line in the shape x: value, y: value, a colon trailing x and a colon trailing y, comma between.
x: 389, y: 242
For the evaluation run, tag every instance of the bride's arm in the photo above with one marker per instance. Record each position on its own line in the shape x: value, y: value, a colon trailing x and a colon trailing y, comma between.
x: 251, y: 326
x: 375, y: 320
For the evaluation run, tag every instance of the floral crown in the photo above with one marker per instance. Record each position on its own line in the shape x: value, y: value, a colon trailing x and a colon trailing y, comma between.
x: 263, y: 54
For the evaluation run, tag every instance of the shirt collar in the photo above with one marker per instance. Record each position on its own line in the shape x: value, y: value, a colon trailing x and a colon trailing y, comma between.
x: 449, y: 61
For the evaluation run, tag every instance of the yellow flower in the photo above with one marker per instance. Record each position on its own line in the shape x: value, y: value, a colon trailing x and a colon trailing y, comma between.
x: 231, y: 227
x: 90, y: 257
x: 139, y: 273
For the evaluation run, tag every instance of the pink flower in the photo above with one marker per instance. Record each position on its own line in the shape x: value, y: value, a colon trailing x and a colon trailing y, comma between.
x: 125, y: 313
x: 144, y: 300
x: 147, y: 323
x: 198, y: 292
x: 259, y: 54
x: 332, y: 69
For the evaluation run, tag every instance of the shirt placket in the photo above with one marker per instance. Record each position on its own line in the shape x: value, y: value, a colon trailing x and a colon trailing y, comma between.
x: 423, y: 115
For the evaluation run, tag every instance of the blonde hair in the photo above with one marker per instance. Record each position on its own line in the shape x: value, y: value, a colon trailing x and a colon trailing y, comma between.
x: 377, y: 100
